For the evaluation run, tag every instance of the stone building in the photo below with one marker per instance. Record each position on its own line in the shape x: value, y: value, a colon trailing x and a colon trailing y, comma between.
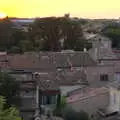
x: 71, y: 71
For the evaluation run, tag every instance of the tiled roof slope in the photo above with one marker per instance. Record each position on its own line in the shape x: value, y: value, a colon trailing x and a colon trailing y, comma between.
x: 106, y: 54
x: 115, y: 84
x: 117, y: 53
x: 68, y: 77
x: 50, y: 60
x: 29, y: 61
x: 65, y: 59
x: 46, y: 81
x: 53, y: 80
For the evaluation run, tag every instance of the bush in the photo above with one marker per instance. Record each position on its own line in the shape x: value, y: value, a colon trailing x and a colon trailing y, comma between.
x: 61, y: 105
x: 8, y: 114
x: 83, y: 115
x: 70, y: 114
x: 10, y: 89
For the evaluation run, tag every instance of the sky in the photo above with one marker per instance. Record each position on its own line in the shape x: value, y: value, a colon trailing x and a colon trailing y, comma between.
x: 76, y: 8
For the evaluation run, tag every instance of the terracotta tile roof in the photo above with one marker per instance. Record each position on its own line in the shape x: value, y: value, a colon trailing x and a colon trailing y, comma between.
x: 90, y: 92
x: 63, y: 59
x: 106, y: 54
x: 50, y: 60
x: 53, y: 80
x: 46, y: 82
x: 117, y: 53
x: 29, y: 61
x: 68, y: 77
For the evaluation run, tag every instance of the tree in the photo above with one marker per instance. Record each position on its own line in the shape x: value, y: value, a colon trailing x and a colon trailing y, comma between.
x: 9, y: 88
x: 6, y: 31
x: 47, y: 30
x: 14, y: 49
x: 73, y: 35
x: 17, y: 36
x: 47, y: 33
x: 113, y: 32
x: 8, y: 114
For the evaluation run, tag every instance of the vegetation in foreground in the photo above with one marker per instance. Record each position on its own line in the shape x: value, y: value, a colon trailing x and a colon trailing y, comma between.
x: 9, y: 88
x: 10, y: 113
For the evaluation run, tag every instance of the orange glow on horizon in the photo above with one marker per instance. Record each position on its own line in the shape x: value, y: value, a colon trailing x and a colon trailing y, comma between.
x: 78, y: 8
x: 2, y: 15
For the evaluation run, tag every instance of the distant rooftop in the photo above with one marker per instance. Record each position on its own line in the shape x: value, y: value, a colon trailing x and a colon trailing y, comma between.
x: 22, y: 20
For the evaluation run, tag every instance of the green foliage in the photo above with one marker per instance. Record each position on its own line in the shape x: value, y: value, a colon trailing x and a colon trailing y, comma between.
x: 5, y: 33
x: 61, y: 105
x: 71, y: 114
x: 73, y: 35
x: 8, y: 114
x: 49, y: 31
x: 10, y: 89
x: 44, y: 34
x: 113, y: 32
x: 14, y: 49
x: 63, y: 102
x: 82, y: 115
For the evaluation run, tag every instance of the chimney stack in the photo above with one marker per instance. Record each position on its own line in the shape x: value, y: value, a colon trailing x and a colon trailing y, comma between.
x: 85, y: 50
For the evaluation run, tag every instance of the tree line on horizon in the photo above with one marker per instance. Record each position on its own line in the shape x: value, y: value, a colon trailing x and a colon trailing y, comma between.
x: 50, y: 34
x: 45, y: 34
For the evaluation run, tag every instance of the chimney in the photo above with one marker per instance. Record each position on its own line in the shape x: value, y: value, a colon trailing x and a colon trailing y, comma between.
x: 85, y: 50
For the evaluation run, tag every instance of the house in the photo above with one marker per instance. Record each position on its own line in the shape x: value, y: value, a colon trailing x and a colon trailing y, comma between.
x: 99, y: 77
x: 71, y: 72
x: 63, y: 69
x: 61, y: 63
x: 113, y: 107
x: 103, y: 54
x: 114, y: 100
x: 45, y: 98
x: 89, y: 99
x: 101, y: 48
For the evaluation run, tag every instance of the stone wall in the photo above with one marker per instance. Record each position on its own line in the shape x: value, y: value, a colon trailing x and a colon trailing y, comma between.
x: 93, y: 75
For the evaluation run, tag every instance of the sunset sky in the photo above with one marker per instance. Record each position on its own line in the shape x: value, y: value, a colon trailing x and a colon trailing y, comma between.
x: 79, y: 8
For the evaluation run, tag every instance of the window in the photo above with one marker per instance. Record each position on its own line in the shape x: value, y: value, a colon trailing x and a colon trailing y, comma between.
x: 49, y: 100
x: 117, y: 76
x: 104, y: 77
x: 46, y: 100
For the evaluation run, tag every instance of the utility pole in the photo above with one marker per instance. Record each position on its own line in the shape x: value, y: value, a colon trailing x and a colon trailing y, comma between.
x: 37, y: 111
x: 36, y: 77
